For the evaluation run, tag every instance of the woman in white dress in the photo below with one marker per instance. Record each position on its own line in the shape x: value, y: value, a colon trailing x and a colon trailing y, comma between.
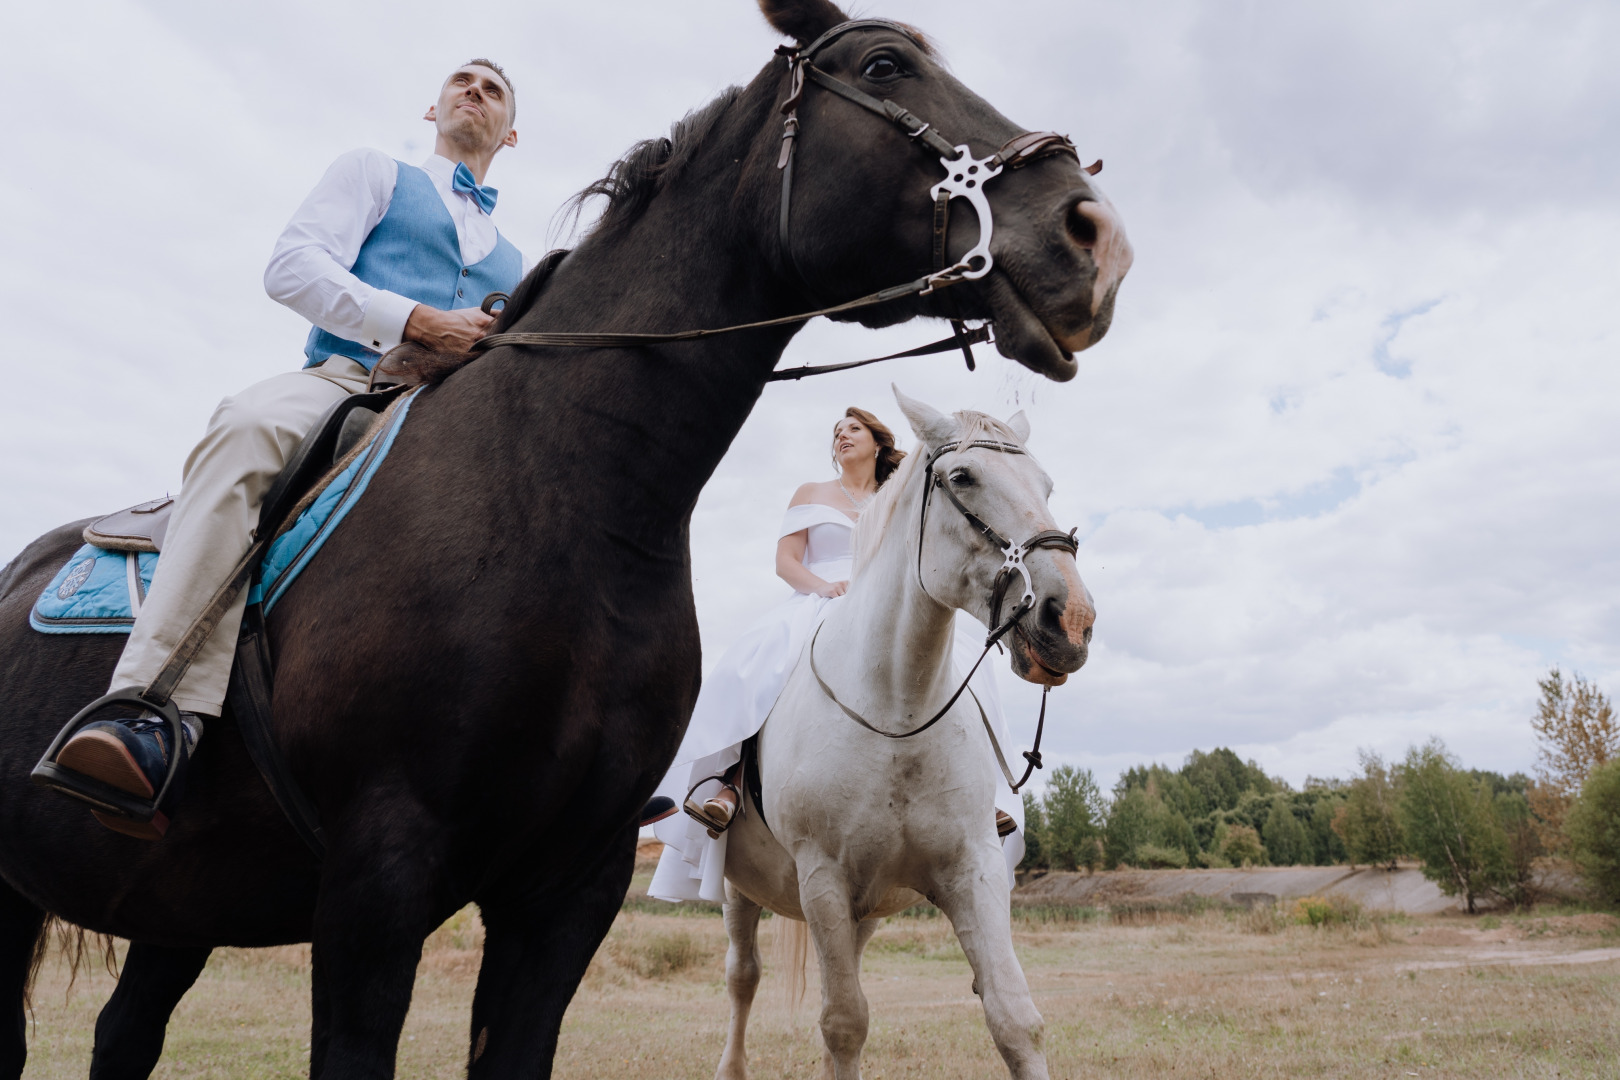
x: 813, y: 555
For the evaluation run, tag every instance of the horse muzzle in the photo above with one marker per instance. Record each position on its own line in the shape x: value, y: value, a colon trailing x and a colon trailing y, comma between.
x: 1053, y: 290
x: 1053, y: 642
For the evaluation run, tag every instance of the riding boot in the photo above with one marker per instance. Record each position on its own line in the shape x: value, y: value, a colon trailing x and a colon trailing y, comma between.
x: 133, y: 755
x: 657, y: 809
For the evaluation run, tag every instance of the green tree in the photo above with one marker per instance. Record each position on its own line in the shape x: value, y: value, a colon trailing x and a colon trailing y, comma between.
x: 1593, y: 825
x: 1073, y: 813
x: 1220, y: 778
x: 1369, y: 820
x: 1037, y: 854
x: 1243, y: 847
x: 1130, y: 825
x: 1450, y: 823
x: 1287, y: 842
x: 1518, y: 825
x: 1322, y: 800
x: 1577, y: 731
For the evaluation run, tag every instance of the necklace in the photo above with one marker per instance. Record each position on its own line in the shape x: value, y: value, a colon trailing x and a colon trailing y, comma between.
x: 859, y: 506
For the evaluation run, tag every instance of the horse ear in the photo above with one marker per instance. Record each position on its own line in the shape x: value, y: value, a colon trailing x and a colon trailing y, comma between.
x: 932, y: 426
x: 1020, y: 425
x: 804, y: 20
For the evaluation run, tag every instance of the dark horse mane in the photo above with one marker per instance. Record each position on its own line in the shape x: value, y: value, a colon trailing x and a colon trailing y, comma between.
x: 648, y: 167
x: 629, y: 185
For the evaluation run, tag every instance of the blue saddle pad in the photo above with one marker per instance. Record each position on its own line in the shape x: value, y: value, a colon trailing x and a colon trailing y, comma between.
x: 92, y: 593
x: 101, y: 592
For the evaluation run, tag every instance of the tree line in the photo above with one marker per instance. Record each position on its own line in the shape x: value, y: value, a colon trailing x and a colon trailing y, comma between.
x: 1479, y: 834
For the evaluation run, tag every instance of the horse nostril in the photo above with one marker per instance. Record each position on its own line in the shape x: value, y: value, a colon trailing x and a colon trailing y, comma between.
x: 1081, y: 226
x: 1086, y: 636
x: 1052, y: 617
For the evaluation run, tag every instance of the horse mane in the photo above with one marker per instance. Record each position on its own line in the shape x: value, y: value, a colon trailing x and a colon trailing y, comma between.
x: 647, y: 168
x: 873, y: 528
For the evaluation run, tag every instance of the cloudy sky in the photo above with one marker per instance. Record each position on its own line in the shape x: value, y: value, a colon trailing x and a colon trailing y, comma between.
x: 1346, y: 469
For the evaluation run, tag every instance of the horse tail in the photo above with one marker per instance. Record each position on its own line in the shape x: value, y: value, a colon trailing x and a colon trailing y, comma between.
x: 75, y: 943
x: 791, y: 956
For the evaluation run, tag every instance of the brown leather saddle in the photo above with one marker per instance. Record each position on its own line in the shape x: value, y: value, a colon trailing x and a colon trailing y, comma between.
x: 136, y: 528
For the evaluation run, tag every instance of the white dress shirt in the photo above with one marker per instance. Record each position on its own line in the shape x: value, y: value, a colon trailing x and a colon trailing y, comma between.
x: 309, y: 269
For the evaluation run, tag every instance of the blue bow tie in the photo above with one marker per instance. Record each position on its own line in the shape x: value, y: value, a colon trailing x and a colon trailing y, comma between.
x: 466, y: 185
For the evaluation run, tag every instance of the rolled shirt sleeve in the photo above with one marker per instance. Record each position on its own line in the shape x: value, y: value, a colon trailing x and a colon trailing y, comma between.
x: 309, y: 268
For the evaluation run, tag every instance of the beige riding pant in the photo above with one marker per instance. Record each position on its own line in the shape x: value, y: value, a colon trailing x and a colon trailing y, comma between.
x: 250, y: 437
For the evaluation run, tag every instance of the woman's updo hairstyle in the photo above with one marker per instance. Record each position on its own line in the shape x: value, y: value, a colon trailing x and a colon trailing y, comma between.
x: 889, y: 456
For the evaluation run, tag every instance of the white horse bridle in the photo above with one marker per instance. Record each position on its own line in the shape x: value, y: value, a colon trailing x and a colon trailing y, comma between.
x: 1012, y: 562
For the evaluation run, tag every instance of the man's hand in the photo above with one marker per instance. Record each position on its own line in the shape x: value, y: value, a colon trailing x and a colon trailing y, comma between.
x: 446, y: 331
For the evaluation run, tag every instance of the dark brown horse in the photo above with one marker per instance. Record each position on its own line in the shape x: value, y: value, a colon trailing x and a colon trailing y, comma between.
x: 503, y: 630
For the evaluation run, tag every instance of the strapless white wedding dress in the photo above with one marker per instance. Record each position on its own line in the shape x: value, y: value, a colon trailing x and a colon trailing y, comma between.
x: 738, y: 694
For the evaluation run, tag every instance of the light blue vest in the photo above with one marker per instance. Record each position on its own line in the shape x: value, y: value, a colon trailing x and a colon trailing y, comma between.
x: 413, y: 251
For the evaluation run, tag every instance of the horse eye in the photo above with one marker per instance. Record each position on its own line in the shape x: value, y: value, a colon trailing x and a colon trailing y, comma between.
x: 882, y: 68
x: 961, y: 478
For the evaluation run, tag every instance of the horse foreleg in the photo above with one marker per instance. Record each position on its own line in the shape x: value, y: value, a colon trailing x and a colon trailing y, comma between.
x: 824, y: 895
x: 132, y: 1025
x: 374, y: 911
x: 536, y: 950
x: 976, y: 903
x: 20, y: 927
x: 742, y: 980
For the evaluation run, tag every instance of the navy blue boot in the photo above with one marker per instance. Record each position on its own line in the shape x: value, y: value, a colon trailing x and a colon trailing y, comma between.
x: 133, y: 756
x: 657, y: 809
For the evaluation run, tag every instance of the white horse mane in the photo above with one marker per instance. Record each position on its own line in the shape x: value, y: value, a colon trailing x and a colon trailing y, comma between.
x: 873, y: 527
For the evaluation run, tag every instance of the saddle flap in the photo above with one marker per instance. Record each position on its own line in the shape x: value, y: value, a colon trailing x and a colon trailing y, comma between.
x: 138, y: 528
x: 335, y: 435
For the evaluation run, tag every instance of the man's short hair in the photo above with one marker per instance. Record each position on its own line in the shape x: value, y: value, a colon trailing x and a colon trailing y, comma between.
x: 511, y: 91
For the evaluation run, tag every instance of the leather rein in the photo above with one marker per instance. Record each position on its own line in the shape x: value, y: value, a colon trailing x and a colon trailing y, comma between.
x: 1012, y: 565
x: 965, y: 178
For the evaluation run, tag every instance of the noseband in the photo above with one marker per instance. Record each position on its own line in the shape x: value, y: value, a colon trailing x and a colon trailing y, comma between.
x: 965, y: 177
x: 1012, y: 555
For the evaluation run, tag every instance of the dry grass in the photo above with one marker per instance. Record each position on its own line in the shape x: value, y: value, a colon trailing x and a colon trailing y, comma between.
x: 1135, y: 993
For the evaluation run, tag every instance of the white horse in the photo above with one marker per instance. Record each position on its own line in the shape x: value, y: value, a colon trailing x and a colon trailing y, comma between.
x: 856, y: 825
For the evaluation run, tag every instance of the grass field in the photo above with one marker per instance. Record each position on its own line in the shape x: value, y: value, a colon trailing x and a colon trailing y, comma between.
x: 1136, y: 992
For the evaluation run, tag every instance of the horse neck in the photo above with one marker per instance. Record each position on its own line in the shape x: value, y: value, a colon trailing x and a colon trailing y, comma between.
x: 892, y: 631
x: 652, y: 424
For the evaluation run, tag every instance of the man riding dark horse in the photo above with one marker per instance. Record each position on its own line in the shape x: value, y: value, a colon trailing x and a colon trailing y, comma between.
x: 380, y: 252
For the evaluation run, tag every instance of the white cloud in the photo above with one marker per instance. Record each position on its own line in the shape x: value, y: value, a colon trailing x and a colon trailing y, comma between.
x: 1345, y: 467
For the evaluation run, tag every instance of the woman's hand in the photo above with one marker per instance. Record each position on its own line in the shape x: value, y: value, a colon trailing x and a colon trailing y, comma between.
x: 830, y: 589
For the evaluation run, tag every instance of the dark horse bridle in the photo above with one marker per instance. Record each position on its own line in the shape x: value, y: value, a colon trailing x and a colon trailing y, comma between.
x: 965, y: 178
x: 1012, y: 555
